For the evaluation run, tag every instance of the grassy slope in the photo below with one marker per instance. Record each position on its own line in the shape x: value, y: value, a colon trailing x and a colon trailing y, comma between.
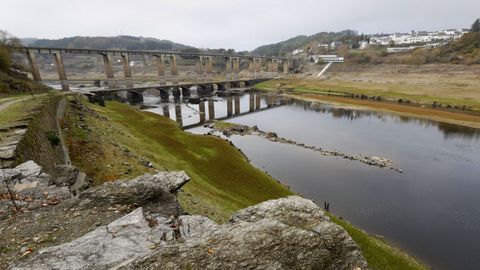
x: 379, y: 255
x: 222, y: 179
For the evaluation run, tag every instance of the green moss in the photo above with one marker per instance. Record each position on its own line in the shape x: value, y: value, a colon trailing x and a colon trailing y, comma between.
x: 222, y: 179
x: 379, y: 255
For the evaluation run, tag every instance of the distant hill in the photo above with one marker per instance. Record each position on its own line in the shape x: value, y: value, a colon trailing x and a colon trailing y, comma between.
x: 117, y: 42
x: 302, y: 42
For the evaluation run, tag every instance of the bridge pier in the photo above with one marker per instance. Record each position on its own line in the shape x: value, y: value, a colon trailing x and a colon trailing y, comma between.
x: 211, y: 109
x: 161, y: 69
x: 237, y: 104
x: 228, y: 69
x: 62, y: 75
x: 236, y: 68
x: 251, y: 102
x: 257, y: 66
x: 199, y: 68
x: 201, y: 109
x: 166, y: 111
x: 174, y: 70
x: 33, y: 65
x: 251, y: 67
x: 209, y: 67
x: 163, y: 94
x: 178, y: 114
x: 107, y: 62
x: 275, y: 67
x: 257, y: 101
x: 176, y: 94
x: 127, y: 72
x: 285, y: 66
x: 185, y: 91
x: 229, y: 105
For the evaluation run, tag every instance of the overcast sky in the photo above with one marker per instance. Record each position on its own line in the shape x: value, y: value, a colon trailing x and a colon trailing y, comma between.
x: 238, y: 24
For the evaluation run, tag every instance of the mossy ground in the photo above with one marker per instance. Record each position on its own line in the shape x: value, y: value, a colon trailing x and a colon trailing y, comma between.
x: 379, y: 255
x: 222, y: 179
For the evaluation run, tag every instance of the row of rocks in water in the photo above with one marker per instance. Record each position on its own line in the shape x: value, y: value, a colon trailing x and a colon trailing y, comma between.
x: 272, y: 136
x: 287, y: 233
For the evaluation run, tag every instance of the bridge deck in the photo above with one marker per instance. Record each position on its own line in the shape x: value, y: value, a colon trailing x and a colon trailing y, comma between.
x: 144, y: 88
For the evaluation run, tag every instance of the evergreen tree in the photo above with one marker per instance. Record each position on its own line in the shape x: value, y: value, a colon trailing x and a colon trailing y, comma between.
x: 476, y: 26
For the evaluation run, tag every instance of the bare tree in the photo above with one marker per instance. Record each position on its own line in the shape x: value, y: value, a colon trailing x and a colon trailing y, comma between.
x: 9, y: 40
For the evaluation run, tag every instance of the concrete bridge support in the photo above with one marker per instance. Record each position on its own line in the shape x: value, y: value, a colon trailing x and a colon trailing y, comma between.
x: 209, y: 67
x: 275, y: 67
x: 229, y: 105
x: 201, y: 109
x: 178, y: 113
x: 185, y: 91
x: 107, y: 62
x: 163, y: 94
x: 211, y: 109
x: 228, y: 69
x: 285, y: 67
x: 127, y: 72
x: 237, y: 104
x: 257, y: 101
x: 174, y: 70
x: 252, y: 101
x: 62, y: 75
x: 161, y: 69
x: 236, y: 68
x: 166, y: 111
x: 199, y: 68
x: 251, y: 67
x: 176, y: 94
x: 258, y: 65
x: 33, y: 66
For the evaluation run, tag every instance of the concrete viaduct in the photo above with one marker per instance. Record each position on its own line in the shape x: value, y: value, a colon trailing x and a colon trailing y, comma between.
x: 203, y: 67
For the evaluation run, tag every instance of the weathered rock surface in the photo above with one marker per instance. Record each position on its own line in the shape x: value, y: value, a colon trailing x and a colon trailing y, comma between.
x: 72, y: 177
x: 30, y: 187
x: 288, y: 233
x: 158, y: 189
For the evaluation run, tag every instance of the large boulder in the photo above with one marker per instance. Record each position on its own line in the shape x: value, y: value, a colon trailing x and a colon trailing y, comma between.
x: 288, y: 233
x: 158, y: 188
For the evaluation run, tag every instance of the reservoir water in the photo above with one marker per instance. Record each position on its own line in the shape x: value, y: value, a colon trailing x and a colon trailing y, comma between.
x: 432, y: 209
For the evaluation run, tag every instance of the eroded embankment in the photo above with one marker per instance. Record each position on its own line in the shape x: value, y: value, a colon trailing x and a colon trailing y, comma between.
x: 42, y: 141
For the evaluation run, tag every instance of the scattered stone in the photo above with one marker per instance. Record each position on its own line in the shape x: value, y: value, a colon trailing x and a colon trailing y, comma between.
x: 272, y: 136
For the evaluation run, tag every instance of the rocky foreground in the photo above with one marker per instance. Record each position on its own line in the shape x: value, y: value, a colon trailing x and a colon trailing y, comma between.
x: 155, y: 233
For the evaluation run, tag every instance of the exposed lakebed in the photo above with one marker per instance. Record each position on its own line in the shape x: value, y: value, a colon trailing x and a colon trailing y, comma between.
x: 431, y: 209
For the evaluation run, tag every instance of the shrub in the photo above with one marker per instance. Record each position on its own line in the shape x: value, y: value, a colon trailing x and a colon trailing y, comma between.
x: 53, y: 138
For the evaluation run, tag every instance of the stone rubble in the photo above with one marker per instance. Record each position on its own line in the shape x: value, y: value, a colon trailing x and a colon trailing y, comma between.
x: 272, y: 136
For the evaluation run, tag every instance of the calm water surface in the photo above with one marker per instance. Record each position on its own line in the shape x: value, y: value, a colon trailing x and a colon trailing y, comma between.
x: 432, y: 210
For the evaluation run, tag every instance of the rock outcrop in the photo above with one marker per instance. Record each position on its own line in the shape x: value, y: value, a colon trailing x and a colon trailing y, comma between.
x: 288, y: 233
x: 155, y: 192
x: 30, y: 189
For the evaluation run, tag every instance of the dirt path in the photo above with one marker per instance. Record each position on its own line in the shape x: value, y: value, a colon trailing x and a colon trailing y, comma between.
x: 4, y: 105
